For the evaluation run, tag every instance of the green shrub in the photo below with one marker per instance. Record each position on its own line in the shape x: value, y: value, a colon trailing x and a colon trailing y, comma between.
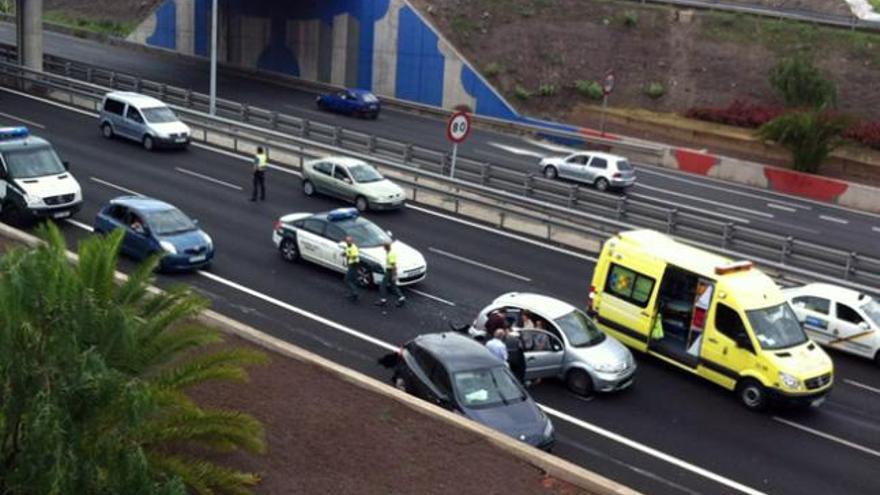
x: 655, y: 90
x: 547, y: 90
x: 521, y: 93
x: 630, y: 18
x: 7, y: 7
x: 589, y: 89
x: 800, y: 84
x: 493, y: 69
x: 809, y: 135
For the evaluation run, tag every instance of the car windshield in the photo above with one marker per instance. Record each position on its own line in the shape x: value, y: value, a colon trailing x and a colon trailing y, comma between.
x: 579, y: 329
x: 362, y: 173
x: 169, y: 222
x: 159, y: 115
x: 33, y: 161
x: 364, y: 233
x: 872, y: 309
x: 487, y: 388
x: 776, y: 327
x: 369, y: 98
x: 624, y: 166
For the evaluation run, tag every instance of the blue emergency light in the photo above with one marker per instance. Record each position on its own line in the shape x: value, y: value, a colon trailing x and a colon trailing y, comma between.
x: 342, y: 214
x: 10, y: 133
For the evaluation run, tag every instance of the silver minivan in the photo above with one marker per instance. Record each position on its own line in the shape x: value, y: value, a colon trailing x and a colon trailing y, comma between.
x: 143, y: 119
x: 561, y: 341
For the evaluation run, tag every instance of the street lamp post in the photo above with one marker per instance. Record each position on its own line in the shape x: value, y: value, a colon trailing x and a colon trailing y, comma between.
x: 212, y: 107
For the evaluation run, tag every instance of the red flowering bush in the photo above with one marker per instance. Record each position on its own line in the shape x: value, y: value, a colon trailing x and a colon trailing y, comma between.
x: 739, y: 113
x: 866, y: 133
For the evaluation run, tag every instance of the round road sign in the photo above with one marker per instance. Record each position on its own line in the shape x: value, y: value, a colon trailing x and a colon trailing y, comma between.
x: 458, y: 127
x: 608, y: 83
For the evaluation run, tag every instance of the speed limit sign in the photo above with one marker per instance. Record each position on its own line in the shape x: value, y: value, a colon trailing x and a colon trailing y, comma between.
x: 458, y: 127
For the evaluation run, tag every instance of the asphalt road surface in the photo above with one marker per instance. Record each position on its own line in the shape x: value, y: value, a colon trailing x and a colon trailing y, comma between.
x: 669, y: 434
x: 803, y: 219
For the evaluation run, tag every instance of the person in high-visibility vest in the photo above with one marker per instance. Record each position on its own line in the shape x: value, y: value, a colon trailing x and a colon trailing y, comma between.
x: 389, y: 281
x: 352, y: 263
x: 261, y: 163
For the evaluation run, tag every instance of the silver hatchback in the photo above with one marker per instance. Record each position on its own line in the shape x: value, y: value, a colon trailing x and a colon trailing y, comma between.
x: 562, y: 342
x: 602, y: 170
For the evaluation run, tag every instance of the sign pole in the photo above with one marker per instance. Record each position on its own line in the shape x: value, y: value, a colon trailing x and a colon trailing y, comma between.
x: 454, y: 157
x: 604, y: 112
x: 607, y: 88
x: 212, y: 107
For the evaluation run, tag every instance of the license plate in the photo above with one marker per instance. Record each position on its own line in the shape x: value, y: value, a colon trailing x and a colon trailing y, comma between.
x: 196, y: 259
x: 180, y: 140
x: 61, y: 214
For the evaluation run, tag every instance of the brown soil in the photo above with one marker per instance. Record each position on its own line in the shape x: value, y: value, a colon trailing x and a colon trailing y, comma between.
x: 326, y: 435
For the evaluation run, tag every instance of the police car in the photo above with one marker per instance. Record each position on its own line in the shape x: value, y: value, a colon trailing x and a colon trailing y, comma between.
x: 34, y: 182
x: 320, y: 238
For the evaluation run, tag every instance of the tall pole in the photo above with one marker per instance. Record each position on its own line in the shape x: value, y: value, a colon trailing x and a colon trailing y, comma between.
x: 454, y: 158
x: 213, y: 103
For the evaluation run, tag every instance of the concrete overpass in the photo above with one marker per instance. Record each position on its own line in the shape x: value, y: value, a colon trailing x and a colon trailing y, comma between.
x: 29, y: 32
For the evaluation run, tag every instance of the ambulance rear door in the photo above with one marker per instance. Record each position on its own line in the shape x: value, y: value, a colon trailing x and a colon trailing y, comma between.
x: 627, y: 301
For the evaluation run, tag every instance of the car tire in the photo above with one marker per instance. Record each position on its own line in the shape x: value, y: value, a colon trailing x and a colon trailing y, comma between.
x: 308, y: 188
x: 364, y: 276
x: 877, y: 358
x: 107, y: 131
x: 148, y: 143
x: 289, y: 250
x: 550, y: 172
x: 601, y: 184
x: 753, y: 395
x: 361, y: 204
x: 579, y: 382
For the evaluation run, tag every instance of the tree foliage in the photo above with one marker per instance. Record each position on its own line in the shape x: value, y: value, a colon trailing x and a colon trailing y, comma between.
x: 800, y: 84
x: 809, y: 135
x: 93, y: 377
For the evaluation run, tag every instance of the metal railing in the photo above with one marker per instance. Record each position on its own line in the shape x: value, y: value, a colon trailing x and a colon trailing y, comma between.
x: 550, y: 207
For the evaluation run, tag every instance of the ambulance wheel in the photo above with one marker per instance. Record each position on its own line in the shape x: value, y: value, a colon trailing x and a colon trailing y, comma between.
x: 289, y: 250
x: 579, y: 382
x: 107, y: 131
x: 752, y: 394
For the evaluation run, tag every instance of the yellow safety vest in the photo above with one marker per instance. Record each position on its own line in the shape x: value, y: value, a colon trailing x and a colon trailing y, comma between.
x: 262, y: 161
x: 391, y: 260
x: 657, y: 331
x: 352, y: 256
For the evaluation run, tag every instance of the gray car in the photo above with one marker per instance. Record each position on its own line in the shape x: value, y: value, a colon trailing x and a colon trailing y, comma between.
x: 143, y: 119
x: 601, y: 170
x: 564, y: 343
x: 351, y: 180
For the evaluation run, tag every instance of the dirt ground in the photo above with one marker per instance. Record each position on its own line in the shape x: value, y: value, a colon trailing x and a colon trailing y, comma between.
x: 326, y: 435
x: 121, y: 11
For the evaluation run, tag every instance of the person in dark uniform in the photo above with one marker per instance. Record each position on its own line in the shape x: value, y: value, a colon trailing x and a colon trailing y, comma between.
x: 261, y: 163
x: 516, y: 355
x: 352, y: 262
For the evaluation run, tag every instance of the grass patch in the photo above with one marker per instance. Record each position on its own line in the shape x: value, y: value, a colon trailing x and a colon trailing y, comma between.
x: 875, y: 4
x: 521, y: 93
x: 7, y: 7
x: 589, y: 89
x: 462, y: 25
x: 493, y: 69
x: 99, y: 26
x: 655, y: 90
x: 548, y: 90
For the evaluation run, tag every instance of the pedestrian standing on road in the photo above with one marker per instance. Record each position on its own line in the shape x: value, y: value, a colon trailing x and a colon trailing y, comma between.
x: 353, y: 263
x: 516, y: 356
x: 389, y: 281
x: 497, y: 347
x: 261, y: 163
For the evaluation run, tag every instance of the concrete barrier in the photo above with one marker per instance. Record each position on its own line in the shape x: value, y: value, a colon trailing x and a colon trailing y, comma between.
x: 549, y: 464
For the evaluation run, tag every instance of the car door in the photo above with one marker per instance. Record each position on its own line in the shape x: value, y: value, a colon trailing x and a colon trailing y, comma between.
x: 335, y: 256
x: 851, y: 331
x: 813, y: 312
x: 728, y: 350
x: 545, y: 353
x: 138, y: 241
x: 598, y: 167
x: 570, y: 168
x: 111, y: 219
x: 309, y: 238
x: 321, y: 176
x: 134, y: 122
x: 342, y: 185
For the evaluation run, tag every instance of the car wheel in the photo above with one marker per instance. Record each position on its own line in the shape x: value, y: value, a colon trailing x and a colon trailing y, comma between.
x: 361, y: 204
x: 149, y: 144
x: 550, y: 172
x: 289, y: 250
x: 752, y: 394
x: 602, y: 184
x: 308, y: 188
x: 579, y: 382
x: 107, y: 130
x: 877, y: 358
x: 364, y: 276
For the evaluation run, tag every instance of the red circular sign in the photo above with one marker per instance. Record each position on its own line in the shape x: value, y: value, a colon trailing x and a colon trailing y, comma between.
x: 458, y: 127
x: 608, y: 83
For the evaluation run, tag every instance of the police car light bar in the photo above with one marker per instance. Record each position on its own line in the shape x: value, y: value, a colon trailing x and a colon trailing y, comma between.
x: 342, y: 214
x: 9, y: 133
x: 737, y: 266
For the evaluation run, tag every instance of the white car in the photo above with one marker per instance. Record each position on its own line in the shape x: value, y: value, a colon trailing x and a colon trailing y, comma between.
x: 352, y: 180
x: 839, y: 318
x: 602, y: 170
x: 320, y: 239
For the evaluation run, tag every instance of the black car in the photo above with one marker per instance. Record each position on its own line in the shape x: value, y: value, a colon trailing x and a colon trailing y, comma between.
x: 457, y: 373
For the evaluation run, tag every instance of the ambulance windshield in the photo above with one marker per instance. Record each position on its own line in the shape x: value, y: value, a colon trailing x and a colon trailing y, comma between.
x: 33, y: 161
x: 776, y: 327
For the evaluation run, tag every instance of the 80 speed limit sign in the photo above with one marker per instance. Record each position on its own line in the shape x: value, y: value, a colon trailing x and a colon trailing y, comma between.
x: 458, y: 127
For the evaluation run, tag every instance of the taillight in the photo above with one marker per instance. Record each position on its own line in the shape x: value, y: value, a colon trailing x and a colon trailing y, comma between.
x: 616, y: 175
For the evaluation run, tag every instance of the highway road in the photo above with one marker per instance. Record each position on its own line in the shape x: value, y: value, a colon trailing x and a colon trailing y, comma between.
x: 803, y: 219
x: 669, y: 434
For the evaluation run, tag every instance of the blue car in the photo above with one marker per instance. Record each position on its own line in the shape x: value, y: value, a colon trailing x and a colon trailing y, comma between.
x: 153, y: 226
x: 358, y: 102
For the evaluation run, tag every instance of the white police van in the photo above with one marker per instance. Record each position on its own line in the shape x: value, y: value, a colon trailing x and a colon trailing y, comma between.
x: 34, y: 182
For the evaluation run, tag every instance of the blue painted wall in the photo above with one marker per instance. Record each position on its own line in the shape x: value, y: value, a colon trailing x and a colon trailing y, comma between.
x: 165, y: 35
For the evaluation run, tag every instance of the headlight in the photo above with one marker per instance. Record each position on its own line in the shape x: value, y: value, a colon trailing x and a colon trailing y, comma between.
x: 548, y: 430
x: 168, y: 247
x: 610, y: 367
x: 32, y: 200
x: 208, y: 240
x: 789, y: 381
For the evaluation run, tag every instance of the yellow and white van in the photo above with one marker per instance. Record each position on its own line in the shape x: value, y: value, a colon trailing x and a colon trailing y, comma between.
x: 725, y: 321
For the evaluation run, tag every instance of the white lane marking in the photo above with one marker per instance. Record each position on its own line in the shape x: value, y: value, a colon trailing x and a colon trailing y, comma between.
x: 114, y: 186
x: 50, y: 102
x: 517, y: 151
x: 862, y: 386
x: 556, y: 148
x: 77, y: 223
x: 834, y: 219
x: 385, y: 345
x: 701, y: 200
x: 208, y: 178
x: 243, y: 158
x: 781, y: 207
x: 478, y: 264
x: 25, y: 121
x: 431, y: 296
x: 828, y: 436
x: 652, y: 452
x: 875, y: 229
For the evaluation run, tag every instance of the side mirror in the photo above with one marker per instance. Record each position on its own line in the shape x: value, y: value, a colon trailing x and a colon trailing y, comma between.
x: 195, y: 221
x: 389, y: 233
x: 864, y: 326
x: 66, y: 165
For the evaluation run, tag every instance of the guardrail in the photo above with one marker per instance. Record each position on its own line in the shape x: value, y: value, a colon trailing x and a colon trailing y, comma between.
x: 505, y: 198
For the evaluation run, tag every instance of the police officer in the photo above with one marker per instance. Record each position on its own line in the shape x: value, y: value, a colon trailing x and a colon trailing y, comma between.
x: 261, y: 163
x: 353, y: 262
x: 389, y: 281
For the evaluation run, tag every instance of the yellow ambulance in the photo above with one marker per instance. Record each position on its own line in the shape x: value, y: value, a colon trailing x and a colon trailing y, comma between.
x: 725, y: 321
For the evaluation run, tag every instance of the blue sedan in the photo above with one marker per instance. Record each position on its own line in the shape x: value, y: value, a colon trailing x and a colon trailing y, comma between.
x: 358, y: 102
x: 153, y: 226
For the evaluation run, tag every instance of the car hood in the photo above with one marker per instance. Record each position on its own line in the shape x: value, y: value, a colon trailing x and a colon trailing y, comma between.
x: 383, y: 189
x: 48, y: 186
x: 804, y: 361
x: 407, y: 257
x: 610, y: 352
x: 166, y: 128
x: 185, y: 240
x: 522, y: 420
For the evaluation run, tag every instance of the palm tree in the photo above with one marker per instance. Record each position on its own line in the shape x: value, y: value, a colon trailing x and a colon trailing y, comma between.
x: 94, y: 377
